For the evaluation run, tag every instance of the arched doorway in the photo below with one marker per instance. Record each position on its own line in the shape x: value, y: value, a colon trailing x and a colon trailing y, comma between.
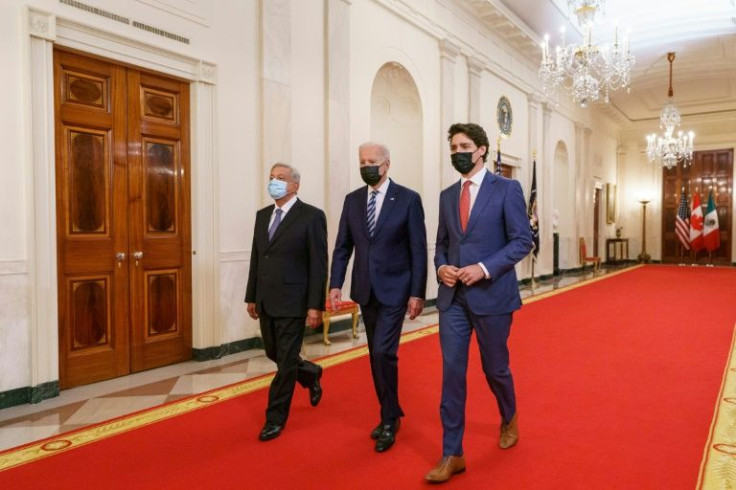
x: 396, y: 121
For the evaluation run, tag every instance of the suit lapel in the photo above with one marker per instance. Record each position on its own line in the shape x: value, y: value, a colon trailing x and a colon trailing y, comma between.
x: 388, y: 204
x: 455, y: 206
x: 262, y: 229
x: 290, y: 218
x: 481, y: 200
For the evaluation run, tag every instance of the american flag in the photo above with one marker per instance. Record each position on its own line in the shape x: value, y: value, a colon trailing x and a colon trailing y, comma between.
x: 682, y: 222
x: 499, y: 168
x: 532, y: 211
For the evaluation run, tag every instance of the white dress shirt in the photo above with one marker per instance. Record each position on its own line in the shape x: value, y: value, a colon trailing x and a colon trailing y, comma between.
x: 382, y: 190
x: 284, y: 209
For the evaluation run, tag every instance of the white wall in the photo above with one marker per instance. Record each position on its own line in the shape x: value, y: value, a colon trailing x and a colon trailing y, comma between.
x: 251, y: 125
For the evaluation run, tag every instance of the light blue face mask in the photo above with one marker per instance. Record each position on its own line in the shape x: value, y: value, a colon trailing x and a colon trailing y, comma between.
x: 277, y: 188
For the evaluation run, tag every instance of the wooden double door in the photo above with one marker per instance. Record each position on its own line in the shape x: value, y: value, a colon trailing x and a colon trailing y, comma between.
x: 123, y: 219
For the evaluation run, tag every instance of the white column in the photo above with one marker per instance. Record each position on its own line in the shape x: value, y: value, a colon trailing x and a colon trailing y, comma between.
x: 448, y: 54
x: 206, y: 324
x: 41, y: 202
x: 544, y: 260
x: 340, y: 157
x: 275, y: 108
x: 475, y: 68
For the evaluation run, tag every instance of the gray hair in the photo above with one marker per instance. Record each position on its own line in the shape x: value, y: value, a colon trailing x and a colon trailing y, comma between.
x: 372, y: 144
x: 294, y: 172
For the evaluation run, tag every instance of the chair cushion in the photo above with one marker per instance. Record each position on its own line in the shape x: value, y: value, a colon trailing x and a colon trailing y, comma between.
x: 340, y: 306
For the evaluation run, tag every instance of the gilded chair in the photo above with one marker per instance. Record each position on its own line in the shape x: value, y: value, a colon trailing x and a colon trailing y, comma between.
x: 585, y: 259
x: 341, y: 308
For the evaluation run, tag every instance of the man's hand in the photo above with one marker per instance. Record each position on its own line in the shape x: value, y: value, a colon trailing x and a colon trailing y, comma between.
x: 416, y: 305
x: 335, y: 297
x: 448, y: 275
x: 314, y: 318
x: 470, y: 274
x: 251, y: 307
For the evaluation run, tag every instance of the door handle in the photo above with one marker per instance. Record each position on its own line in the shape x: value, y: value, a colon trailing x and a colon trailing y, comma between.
x: 120, y: 256
x: 137, y: 255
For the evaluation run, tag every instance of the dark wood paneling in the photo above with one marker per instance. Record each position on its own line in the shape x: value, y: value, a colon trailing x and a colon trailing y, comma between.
x: 122, y: 178
x: 709, y: 170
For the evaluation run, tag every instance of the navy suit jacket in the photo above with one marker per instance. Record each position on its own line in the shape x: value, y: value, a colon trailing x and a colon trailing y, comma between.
x: 392, y: 263
x: 498, y: 235
x: 288, y: 274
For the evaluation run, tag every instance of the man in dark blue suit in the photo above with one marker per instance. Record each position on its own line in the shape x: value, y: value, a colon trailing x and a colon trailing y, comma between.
x: 483, y: 232
x: 384, y: 223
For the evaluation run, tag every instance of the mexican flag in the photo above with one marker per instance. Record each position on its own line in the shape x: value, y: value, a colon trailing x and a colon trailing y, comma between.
x: 696, y: 225
x: 711, y: 232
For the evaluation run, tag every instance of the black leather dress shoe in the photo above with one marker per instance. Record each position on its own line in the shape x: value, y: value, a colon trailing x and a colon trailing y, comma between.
x: 315, y: 390
x: 388, y: 436
x: 270, y: 431
x: 376, y: 433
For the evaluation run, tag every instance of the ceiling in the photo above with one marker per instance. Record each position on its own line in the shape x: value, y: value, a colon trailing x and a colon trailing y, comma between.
x: 702, y: 33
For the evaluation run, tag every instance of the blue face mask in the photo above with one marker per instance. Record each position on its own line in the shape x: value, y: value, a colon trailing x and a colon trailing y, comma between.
x: 277, y: 188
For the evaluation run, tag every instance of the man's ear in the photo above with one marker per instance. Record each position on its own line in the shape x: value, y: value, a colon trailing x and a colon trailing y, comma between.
x: 484, y: 148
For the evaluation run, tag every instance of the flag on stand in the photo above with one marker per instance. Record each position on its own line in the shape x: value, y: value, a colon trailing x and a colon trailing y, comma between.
x: 499, y: 168
x: 711, y: 230
x: 532, y: 211
x: 682, y: 222
x: 696, y: 225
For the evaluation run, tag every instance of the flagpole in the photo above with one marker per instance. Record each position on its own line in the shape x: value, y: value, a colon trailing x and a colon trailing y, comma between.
x: 534, y: 283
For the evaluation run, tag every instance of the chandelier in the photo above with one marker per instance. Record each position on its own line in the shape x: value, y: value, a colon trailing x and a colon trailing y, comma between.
x: 589, y: 69
x: 668, y: 149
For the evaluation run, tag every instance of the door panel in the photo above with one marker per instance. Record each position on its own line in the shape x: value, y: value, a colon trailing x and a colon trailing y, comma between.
x: 161, y: 296
x: 91, y: 188
x: 122, y: 139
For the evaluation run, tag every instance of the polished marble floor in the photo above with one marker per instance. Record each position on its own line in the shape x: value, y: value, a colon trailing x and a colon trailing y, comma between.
x: 86, y: 405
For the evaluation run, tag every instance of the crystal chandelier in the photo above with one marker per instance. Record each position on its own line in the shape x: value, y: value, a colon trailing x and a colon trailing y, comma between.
x: 668, y: 149
x: 587, y: 70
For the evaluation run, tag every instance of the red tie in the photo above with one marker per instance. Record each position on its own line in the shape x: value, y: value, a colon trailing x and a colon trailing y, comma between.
x: 465, y: 205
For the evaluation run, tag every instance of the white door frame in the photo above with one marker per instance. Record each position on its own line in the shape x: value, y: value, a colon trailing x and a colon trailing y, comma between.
x: 46, y: 30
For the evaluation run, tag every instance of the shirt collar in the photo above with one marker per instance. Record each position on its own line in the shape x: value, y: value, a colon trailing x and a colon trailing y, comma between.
x: 383, y: 189
x: 287, y: 205
x: 476, y: 179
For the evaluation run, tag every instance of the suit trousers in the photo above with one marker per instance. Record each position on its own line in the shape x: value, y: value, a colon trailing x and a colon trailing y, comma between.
x: 383, y: 329
x: 282, y: 339
x: 492, y: 331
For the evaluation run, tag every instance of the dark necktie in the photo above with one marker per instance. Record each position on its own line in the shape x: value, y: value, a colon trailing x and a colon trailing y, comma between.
x: 275, y: 224
x: 372, y: 213
x: 465, y: 205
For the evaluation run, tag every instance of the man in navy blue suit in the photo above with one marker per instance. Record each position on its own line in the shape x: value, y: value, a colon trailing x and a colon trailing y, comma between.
x: 483, y: 232
x: 384, y: 223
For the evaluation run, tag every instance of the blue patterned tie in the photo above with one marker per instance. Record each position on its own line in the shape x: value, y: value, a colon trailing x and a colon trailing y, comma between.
x: 372, y: 213
x: 275, y: 224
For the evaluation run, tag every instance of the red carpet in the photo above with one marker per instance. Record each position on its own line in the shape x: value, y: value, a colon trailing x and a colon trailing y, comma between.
x: 617, y: 383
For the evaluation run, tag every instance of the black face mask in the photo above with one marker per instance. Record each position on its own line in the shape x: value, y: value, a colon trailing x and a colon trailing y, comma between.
x: 370, y: 174
x: 463, y: 162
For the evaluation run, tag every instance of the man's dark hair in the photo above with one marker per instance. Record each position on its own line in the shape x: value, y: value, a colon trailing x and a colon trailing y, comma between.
x: 473, y: 131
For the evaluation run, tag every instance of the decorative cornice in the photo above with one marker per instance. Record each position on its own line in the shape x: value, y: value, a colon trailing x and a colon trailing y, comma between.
x: 207, y: 72
x: 42, y: 24
x: 475, y: 66
x: 449, y: 50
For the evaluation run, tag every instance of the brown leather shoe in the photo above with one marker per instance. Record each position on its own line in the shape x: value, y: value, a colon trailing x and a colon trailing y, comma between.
x: 509, y: 434
x: 448, y: 466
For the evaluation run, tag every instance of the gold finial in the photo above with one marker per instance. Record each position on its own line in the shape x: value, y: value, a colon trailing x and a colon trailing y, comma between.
x: 498, y: 143
x: 534, y: 154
